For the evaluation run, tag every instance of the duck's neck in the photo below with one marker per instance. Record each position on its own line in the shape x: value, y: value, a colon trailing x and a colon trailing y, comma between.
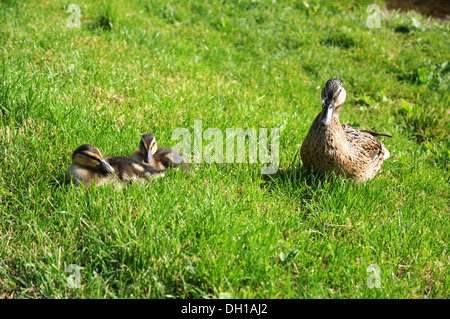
x: 337, y: 112
x: 334, y: 120
x: 333, y: 131
x: 329, y: 115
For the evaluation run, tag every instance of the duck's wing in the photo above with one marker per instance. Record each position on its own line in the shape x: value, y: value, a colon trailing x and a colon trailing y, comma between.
x: 349, y: 128
x: 365, y: 141
x: 376, y: 134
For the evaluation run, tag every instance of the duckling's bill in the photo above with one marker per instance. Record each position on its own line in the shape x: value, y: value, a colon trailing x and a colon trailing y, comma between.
x: 105, y: 165
x: 148, y: 155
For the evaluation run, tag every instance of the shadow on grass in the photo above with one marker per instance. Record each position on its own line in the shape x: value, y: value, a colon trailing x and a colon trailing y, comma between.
x: 295, y: 179
x: 300, y: 181
x: 291, y: 176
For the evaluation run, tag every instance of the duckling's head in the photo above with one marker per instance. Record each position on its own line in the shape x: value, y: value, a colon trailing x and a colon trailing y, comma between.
x: 333, y: 96
x: 90, y: 156
x: 148, y: 147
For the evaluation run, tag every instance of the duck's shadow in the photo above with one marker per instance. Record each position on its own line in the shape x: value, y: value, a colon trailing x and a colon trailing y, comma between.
x: 302, y: 181
x: 294, y: 176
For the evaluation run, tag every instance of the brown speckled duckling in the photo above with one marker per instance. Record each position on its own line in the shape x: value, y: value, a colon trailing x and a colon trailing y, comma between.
x: 88, y: 165
x: 159, y: 158
x: 343, y: 149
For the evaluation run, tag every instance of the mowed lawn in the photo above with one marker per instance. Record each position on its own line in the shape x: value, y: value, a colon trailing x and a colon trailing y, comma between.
x: 223, y: 230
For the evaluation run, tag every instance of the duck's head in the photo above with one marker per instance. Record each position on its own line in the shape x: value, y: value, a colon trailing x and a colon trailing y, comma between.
x: 90, y: 156
x: 148, y: 147
x: 333, y: 96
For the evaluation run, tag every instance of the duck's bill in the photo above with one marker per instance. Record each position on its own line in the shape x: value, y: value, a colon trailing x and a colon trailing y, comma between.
x: 148, y: 156
x: 105, y: 165
x: 327, y: 113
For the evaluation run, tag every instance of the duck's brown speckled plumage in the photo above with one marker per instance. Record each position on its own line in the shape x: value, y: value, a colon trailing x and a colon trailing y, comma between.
x: 342, y: 149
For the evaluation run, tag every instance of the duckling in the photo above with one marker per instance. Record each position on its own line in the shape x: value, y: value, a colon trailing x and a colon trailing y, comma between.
x: 343, y: 149
x: 88, y: 165
x: 160, y: 158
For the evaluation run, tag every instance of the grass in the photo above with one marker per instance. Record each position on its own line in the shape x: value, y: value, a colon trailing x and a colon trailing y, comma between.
x: 223, y: 229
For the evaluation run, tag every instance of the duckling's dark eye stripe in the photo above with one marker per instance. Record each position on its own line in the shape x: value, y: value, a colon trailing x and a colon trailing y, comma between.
x: 91, y: 157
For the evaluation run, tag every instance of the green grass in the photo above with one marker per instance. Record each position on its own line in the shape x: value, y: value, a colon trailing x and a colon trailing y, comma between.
x: 223, y: 229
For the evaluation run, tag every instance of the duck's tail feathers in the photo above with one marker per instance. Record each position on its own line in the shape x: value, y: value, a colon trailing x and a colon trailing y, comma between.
x: 376, y: 134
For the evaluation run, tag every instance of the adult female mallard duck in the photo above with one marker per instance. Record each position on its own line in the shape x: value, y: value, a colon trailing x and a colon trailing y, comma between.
x: 88, y: 165
x: 342, y: 149
x: 160, y: 158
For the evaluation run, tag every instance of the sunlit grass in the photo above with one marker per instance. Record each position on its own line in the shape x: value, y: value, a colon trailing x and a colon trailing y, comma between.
x: 154, y: 66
